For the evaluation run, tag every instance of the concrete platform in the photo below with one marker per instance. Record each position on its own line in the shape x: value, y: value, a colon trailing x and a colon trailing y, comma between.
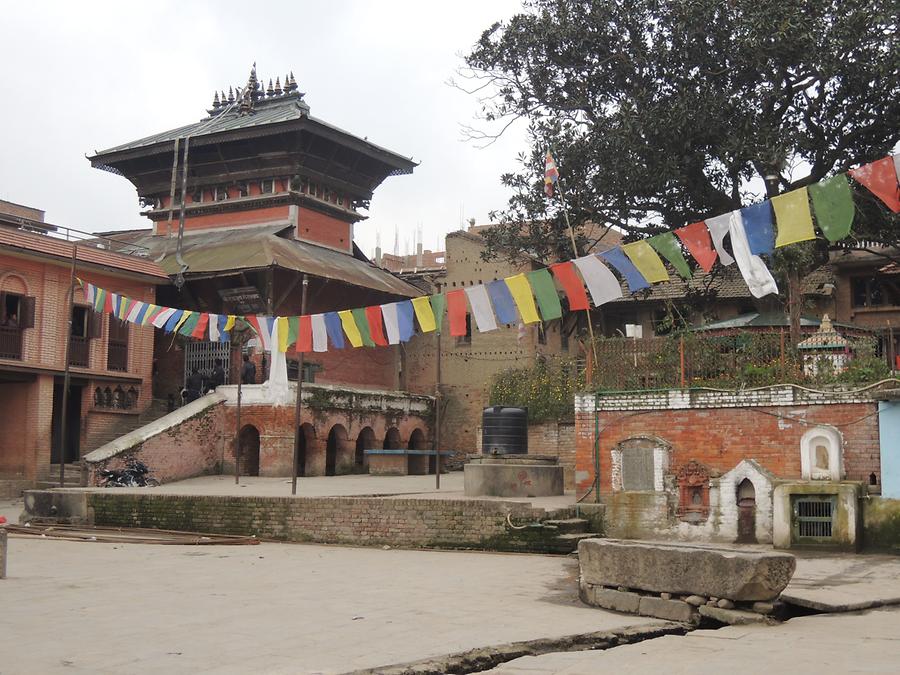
x: 386, y: 487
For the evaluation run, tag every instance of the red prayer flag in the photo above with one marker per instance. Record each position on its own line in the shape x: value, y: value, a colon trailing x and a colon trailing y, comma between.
x: 304, y: 334
x: 376, y: 328
x: 697, y: 241
x: 881, y: 179
x: 456, y: 312
x: 199, y: 331
x: 570, y: 281
x: 107, y: 303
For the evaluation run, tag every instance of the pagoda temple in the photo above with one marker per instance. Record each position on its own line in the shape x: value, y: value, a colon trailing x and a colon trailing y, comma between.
x: 245, y: 202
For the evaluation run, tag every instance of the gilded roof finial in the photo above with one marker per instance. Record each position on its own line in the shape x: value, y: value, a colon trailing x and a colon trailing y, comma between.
x: 277, y: 87
x: 230, y: 95
x: 293, y: 82
x: 269, y: 90
x: 216, y: 102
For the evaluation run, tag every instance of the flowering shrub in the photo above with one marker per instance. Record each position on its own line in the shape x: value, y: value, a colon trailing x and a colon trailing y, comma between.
x: 547, y: 389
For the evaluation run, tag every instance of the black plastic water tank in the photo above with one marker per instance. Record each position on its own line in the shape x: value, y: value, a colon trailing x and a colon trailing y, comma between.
x: 504, y: 431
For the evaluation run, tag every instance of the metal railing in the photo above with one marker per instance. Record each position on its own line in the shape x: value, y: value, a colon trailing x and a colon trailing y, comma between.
x: 10, y: 343
x: 738, y: 359
x: 105, y: 242
x: 80, y: 351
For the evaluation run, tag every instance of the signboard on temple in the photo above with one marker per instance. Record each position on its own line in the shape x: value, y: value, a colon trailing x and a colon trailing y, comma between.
x: 243, y: 300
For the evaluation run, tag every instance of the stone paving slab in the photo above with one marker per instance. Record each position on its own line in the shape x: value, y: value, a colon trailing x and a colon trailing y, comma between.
x: 274, y: 608
x: 812, y: 645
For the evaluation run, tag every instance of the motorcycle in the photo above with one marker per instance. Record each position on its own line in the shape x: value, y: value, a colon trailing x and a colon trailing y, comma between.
x: 133, y: 475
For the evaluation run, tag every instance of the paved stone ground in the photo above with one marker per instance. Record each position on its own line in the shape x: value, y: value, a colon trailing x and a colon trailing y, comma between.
x: 71, y: 607
x: 831, y: 643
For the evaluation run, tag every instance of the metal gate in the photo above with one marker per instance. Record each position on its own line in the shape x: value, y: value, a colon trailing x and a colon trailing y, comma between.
x: 203, y: 355
x: 813, y: 521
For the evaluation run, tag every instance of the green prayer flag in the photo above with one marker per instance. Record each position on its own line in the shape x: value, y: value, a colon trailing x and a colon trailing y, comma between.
x: 293, y: 329
x: 190, y: 324
x: 666, y: 245
x: 438, y: 303
x: 362, y: 323
x: 832, y: 201
x: 545, y: 294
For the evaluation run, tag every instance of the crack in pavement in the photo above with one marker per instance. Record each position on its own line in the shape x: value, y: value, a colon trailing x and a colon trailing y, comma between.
x: 485, y: 658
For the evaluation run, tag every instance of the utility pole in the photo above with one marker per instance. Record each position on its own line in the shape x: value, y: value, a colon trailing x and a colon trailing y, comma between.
x: 66, y: 371
x: 297, y: 403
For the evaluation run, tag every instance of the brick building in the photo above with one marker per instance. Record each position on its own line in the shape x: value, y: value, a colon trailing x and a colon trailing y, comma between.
x: 111, y: 361
x: 271, y: 196
x: 703, y: 464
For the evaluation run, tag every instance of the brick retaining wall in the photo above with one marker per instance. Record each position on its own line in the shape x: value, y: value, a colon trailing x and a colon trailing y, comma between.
x: 334, y: 520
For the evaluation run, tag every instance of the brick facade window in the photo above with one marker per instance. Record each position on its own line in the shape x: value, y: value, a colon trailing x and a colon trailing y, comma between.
x: 117, y: 347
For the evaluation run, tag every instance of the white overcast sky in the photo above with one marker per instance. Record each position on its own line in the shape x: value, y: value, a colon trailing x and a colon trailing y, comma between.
x: 84, y: 76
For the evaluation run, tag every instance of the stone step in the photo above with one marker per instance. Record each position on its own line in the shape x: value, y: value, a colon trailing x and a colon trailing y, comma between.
x: 568, y: 543
x: 568, y: 525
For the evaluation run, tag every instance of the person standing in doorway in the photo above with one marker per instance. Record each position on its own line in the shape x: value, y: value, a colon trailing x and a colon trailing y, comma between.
x: 217, y: 378
x: 194, y: 385
x: 248, y: 371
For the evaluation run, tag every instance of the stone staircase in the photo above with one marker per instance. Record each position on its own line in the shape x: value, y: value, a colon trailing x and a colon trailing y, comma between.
x: 153, y: 412
x: 567, y: 533
x: 559, y: 532
x: 72, y: 477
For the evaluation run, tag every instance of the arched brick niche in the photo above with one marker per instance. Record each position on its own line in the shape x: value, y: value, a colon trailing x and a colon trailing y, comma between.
x: 821, y: 454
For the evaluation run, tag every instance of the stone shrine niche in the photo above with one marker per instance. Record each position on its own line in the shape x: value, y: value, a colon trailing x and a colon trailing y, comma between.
x: 693, y: 492
x: 821, y: 454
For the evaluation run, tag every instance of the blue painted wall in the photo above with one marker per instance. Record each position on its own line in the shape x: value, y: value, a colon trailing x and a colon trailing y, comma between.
x: 889, y: 432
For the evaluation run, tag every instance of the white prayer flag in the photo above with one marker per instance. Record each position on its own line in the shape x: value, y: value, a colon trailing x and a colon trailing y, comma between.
x: 718, y: 227
x: 759, y: 280
x: 214, y: 327
x: 391, y: 323
x: 598, y: 278
x: 480, y: 303
x: 136, y: 307
x: 319, y: 333
x: 162, y: 317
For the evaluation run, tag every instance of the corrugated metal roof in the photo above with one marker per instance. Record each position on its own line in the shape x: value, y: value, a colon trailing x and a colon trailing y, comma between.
x: 222, y: 250
x: 272, y: 112
x: 756, y: 320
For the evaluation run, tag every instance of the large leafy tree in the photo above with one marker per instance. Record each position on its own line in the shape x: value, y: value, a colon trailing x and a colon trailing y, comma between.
x: 663, y: 112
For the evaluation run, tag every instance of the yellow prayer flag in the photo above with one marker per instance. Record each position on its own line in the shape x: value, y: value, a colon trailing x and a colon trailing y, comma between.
x: 647, y: 262
x: 283, y: 332
x: 149, y: 313
x: 424, y: 314
x: 350, y: 328
x: 521, y: 291
x: 793, y: 218
x: 229, y: 323
x: 184, y: 317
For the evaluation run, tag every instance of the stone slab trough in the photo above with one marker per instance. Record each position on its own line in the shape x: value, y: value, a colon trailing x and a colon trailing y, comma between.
x: 684, y: 569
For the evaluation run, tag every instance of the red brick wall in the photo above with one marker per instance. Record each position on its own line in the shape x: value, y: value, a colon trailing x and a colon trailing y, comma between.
x: 192, y: 448
x: 44, y: 346
x: 276, y: 435
x: 721, y: 437
x: 557, y: 439
x: 261, y: 216
x: 324, y: 229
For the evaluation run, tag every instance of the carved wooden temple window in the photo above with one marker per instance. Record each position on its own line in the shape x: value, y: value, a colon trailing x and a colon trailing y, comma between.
x: 693, y: 492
